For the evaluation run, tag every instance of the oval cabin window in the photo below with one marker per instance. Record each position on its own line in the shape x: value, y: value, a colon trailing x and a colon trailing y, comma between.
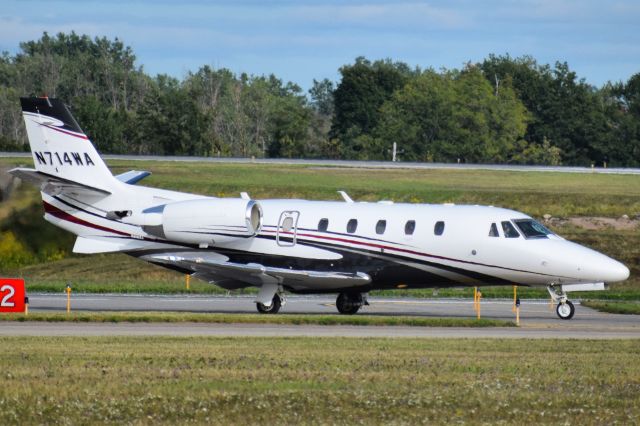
x: 381, y: 226
x: 352, y: 225
x: 409, y: 227
x: 438, y: 229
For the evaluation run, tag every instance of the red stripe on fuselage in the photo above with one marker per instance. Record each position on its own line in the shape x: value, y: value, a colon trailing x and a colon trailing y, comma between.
x: 402, y: 250
x: 61, y: 214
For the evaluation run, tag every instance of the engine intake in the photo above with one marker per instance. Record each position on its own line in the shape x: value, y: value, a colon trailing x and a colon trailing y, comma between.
x: 206, y: 221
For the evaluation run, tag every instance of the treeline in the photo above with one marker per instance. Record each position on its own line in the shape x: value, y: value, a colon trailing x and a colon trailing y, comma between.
x: 502, y: 110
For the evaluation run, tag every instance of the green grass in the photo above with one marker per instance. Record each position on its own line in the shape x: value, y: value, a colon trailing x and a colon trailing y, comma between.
x: 167, y: 380
x: 630, y: 308
x: 291, y: 319
x: 536, y: 193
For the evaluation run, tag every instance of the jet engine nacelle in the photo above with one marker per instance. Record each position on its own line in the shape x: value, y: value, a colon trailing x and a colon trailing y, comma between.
x: 206, y: 221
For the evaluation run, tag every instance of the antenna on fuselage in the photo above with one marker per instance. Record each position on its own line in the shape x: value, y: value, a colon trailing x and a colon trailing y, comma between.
x: 345, y: 196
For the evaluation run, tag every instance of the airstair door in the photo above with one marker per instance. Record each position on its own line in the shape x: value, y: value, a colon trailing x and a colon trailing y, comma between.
x: 287, y: 231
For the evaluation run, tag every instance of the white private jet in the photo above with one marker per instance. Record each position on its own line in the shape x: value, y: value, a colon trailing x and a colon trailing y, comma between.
x: 300, y: 246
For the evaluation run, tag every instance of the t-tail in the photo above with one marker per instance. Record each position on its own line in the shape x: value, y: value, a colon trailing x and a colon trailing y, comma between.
x: 62, y: 152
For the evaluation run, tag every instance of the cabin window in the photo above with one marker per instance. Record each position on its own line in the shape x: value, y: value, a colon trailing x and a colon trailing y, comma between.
x: 493, y: 231
x: 352, y: 225
x: 381, y: 226
x: 409, y: 227
x: 323, y: 225
x: 438, y: 229
x: 509, y: 230
x: 532, y: 229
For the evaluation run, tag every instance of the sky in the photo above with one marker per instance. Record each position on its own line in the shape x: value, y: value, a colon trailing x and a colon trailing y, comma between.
x: 304, y: 40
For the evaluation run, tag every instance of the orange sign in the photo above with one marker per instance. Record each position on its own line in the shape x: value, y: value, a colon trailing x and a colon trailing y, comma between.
x: 12, y: 294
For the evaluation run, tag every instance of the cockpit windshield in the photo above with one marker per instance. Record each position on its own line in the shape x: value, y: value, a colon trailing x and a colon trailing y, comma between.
x: 531, y: 229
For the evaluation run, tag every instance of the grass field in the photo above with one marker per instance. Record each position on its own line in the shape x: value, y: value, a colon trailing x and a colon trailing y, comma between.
x: 629, y: 308
x: 117, y: 380
x: 536, y: 193
x: 291, y: 319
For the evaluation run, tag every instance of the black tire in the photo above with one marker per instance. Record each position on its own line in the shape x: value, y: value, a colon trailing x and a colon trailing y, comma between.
x: 565, y: 312
x: 276, y: 303
x: 349, y: 304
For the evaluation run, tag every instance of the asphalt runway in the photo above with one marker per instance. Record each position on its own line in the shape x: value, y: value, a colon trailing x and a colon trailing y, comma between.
x: 537, y: 318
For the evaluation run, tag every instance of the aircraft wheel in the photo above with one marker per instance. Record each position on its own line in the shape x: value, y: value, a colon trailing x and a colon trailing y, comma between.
x: 273, y: 309
x: 565, y: 310
x: 349, y: 304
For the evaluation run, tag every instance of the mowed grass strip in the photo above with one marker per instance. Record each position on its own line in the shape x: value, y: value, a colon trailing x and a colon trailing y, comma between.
x: 629, y: 308
x: 284, y: 319
x: 168, y: 380
x: 535, y: 193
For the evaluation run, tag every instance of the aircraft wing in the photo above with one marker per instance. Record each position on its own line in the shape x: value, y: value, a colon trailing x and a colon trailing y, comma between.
x: 216, y: 268
x: 54, y: 185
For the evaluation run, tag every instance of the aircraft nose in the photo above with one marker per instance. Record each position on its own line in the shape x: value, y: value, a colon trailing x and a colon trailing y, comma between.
x: 608, y: 270
x: 615, y: 272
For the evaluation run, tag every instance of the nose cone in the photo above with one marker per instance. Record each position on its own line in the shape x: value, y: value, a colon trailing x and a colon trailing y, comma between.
x: 602, y: 268
x: 588, y: 265
x: 615, y: 271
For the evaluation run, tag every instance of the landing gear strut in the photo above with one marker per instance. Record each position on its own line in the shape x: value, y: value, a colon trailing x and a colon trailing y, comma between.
x: 350, y: 303
x: 565, y: 308
x: 276, y: 303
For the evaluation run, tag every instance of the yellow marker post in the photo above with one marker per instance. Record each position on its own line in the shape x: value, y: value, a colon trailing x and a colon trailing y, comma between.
x: 475, y: 299
x: 518, y: 316
x: 515, y: 296
x: 68, y: 290
x: 551, y: 303
x: 187, y: 280
x: 26, y: 306
x: 479, y: 297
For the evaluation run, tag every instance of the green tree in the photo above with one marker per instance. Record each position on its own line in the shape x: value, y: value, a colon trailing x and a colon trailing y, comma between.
x: 451, y: 116
x: 363, y: 89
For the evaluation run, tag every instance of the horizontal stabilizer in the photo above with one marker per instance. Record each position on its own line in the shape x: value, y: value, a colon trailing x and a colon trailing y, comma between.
x: 132, y: 176
x: 90, y: 245
x: 54, y: 185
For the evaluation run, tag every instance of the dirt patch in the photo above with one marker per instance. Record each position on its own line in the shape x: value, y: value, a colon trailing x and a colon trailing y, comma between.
x: 597, y: 223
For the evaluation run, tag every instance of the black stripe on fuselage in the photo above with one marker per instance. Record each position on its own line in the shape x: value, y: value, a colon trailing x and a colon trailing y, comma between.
x: 363, y: 256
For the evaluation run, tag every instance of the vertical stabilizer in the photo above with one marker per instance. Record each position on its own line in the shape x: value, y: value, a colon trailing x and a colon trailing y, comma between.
x: 59, y: 146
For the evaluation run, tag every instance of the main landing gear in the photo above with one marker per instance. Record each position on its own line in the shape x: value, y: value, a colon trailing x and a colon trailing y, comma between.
x: 565, y: 308
x: 350, y: 303
x: 274, y: 308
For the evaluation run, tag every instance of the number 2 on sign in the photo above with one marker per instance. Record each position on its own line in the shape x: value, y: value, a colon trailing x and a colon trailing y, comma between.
x: 12, y: 295
x: 5, y: 302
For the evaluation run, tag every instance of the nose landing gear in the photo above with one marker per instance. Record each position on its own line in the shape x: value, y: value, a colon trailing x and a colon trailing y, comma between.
x: 565, y: 308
